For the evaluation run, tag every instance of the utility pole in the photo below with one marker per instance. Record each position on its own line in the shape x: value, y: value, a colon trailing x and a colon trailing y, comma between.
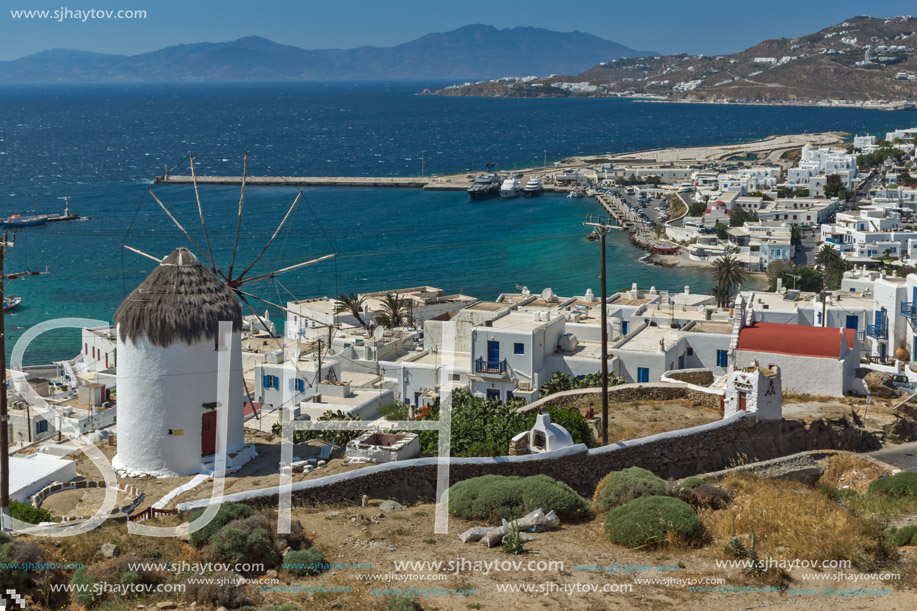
x: 4, y: 414
x: 601, y: 228
x: 318, y: 375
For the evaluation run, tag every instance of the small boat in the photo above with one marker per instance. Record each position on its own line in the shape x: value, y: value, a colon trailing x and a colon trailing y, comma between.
x: 17, y: 220
x: 576, y: 194
x: 510, y: 188
x: 533, y: 188
x: 11, y: 302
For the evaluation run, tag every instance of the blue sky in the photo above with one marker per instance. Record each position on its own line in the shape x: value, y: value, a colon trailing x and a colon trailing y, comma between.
x: 667, y: 26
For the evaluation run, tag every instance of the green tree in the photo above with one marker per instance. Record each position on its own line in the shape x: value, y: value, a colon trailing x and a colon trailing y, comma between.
x: 697, y: 209
x: 795, y: 235
x: 351, y: 303
x: 729, y: 275
x: 396, y: 312
x: 832, y: 265
x: 722, y: 231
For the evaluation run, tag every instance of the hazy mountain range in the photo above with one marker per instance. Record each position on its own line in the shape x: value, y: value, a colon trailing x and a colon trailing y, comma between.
x: 470, y: 52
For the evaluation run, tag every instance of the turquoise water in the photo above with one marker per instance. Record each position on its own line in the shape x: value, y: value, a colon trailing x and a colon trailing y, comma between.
x: 103, y: 144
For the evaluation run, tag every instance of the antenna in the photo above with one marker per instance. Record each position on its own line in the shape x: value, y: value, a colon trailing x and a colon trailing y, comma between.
x: 547, y: 294
x: 378, y: 333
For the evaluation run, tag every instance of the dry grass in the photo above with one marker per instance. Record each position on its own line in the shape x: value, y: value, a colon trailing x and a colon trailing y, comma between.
x: 848, y: 470
x: 792, y: 521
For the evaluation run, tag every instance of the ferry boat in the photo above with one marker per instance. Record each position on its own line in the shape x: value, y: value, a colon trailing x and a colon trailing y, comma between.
x: 17, y: 220
x: 576, y: 194
x: 533, y: 188
x: 510, y: 188
x: 484, y: 186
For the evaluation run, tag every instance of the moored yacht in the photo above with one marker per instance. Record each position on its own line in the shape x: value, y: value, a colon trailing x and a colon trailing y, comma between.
x: 484, y: 186
x: 510, y: 188
x: 533, y: 188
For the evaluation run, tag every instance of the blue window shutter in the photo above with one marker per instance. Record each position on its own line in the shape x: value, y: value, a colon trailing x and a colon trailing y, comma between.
x: 266, y: 381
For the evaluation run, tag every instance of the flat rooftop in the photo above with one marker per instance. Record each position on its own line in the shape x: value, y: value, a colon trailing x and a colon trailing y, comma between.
x: 521, y: 321
x: 626, y: 300
x: 709, y: 326
x: 647, y: 340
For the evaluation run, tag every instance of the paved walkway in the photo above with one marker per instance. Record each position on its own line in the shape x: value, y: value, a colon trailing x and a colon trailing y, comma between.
x: 901, y: 455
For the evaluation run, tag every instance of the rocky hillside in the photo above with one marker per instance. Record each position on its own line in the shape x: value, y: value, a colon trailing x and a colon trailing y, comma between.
x: 862, y: 59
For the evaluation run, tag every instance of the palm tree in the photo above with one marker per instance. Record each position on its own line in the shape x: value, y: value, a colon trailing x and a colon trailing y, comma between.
x: 396, y: 312
x: 729, y: 275
x: 827, y: 256
x: 353, y: 304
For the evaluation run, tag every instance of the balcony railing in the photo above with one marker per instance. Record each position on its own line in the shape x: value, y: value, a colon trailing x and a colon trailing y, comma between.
x: 909, y: 309
x: 497, y: 367
x: 877, y: 331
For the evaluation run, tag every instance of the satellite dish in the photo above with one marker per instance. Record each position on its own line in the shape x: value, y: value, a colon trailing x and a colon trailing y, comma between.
x: 379, y: 333
x: 547, y: 294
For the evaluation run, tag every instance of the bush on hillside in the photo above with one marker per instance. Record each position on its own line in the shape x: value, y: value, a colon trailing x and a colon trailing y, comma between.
x: 221, y: 589
x: 898, y: 485
x: 495, y: 497
x: 541, y: 491
x: 619, y: 487
x: 16, y: 553
x: 651, y: 520
x: 226, y: 514
x: 234, y: 545
x: 905, y: 536
x: 305, y: 562
x: 29, y: 513
x: 403, y: 604
x: 690, y: 482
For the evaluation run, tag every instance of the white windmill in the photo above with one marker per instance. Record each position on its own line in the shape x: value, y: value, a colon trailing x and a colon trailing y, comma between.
x: 167, y: 335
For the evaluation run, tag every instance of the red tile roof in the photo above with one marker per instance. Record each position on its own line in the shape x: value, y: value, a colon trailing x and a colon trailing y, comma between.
x: 798, y: 340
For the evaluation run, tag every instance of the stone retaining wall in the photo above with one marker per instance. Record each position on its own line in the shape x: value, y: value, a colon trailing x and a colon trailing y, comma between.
x: 625, y: 393
x: 702, y: 449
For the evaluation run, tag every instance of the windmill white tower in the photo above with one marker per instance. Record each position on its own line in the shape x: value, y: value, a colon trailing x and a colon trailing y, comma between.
x: 167, y: 369
x: 168, y: 342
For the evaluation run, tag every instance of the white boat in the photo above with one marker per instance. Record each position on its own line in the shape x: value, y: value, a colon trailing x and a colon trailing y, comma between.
x: 576, y: 194
x: 533, y: 188
x: 510, y: 188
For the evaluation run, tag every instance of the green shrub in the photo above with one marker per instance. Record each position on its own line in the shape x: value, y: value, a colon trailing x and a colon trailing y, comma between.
x: 650, y: 520
x: 485, y: 448
x: 305, y: 562
x: 898, y: 485
x: 29, y: 513
x: 494, y: 497
x: 17, y: 553
x: 226, y: 514
x: 130, y: 577
x: 905, y: 536
x: 512, y: 543
x: 690, y: 482
x: 540, y: 491
x: 233, y: 545
x: 403, y: 604
x: 84, y: 582
x: 619, y: 487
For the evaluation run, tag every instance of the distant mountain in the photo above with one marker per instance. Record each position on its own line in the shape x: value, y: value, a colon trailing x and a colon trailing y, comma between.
x: 473, y: 51
x: 862, y: 60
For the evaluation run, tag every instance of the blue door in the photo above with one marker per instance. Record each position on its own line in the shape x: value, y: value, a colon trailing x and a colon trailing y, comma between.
x: 493, y: 351
x: 852, y: 322
x: 878, y: 320
x: 681, y: 362
x: 624, y: 326
x: 643, y: 374
x: 493, y: 394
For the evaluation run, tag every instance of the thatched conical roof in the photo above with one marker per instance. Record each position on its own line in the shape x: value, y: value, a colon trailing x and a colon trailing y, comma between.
x: 180, y: 301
